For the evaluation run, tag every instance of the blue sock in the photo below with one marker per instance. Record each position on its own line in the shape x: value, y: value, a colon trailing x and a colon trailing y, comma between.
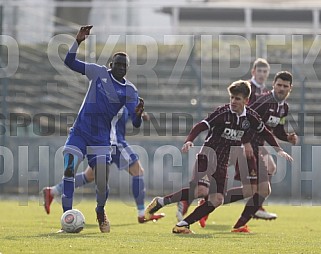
x: 80, y: 180
x: 101, y: 199
x: 68, y: 193
x: 138, y: 189
x: 59, y: 188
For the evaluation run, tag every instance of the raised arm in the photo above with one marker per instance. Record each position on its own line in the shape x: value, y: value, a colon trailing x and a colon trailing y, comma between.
x: 196, y: 130
x: 70, y: 60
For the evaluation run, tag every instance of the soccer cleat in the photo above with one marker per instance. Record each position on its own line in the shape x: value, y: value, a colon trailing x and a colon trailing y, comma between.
x: 182, y: 230
x: 47, y: 198
x: 154, y: 218
x: 152, y: 208
x: 243, y: 229
x: 264, y: 215
x: 103, y: 222
x: 203, y: 220
x: 182, y: 207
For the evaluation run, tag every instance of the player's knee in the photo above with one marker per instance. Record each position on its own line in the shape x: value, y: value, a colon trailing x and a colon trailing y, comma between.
x: 264, y: 189
x: 202, y: 191
x: 216, y: 199
x: 272, y: 169
x: 219, y: 200
x: 248, y: 191
x: 136, y: 169
x: 90, y: 175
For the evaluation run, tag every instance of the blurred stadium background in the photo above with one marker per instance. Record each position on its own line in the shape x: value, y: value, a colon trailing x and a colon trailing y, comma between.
x: 183, y: 56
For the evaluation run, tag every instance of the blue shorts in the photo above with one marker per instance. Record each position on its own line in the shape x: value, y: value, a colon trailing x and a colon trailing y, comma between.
x: 81, y: 145
x: 124, y: 156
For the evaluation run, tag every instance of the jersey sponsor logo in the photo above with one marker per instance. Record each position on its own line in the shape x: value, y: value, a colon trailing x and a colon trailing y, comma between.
x: 232, y: 134
x: 273, y: 121
x: 245, y: 124
x: 282, y: 120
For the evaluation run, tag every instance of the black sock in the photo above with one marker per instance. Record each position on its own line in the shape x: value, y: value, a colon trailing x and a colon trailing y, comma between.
x: 200, y: 212
x: 251, y: 207
x: 175, y: 197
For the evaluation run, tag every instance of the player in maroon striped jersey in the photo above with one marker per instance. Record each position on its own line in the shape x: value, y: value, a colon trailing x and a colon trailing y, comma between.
x: 260, y: 72
x: 273, y: 110
x: 228, y: 127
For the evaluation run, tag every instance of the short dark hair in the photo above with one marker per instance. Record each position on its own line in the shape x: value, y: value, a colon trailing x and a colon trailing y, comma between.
x: 284, y: 75
x: 240, y: 87
x: 260, y: 62
x: 119, y: 54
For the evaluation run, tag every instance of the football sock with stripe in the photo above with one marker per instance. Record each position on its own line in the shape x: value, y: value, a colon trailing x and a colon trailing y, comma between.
x: 80, y: 180
x: 68, y: 192
x: 138, y: 189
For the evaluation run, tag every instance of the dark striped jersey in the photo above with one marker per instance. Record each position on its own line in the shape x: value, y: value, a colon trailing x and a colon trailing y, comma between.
x: 255, y: 91
x: 273, y: 115
x: 227, y: 129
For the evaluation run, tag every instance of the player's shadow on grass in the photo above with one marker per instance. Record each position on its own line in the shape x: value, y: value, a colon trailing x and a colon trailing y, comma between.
x: 112, y: 225
x: 196, y: 235
x: 218, y: 227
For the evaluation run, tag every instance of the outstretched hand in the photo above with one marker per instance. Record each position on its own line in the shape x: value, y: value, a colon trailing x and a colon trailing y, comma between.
x: 293, y: 138
x: 140, y: 107
x: 285, y: 155
x: 83, y: 33
x: 187, y: 146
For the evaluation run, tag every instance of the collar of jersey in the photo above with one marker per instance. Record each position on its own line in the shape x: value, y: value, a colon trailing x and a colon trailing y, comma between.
x: 123, y: 84
x: 243, y: 113
x: 280, y: 103
x: 257, y: 84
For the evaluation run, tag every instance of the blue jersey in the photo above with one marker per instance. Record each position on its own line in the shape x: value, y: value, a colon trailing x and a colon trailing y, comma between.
x: 118, y: 131
x: 123, y: 155
x: 104, y: 99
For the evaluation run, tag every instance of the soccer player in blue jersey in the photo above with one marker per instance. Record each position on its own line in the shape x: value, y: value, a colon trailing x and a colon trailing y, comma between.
x: 108, y: 92
x: 124, y: 158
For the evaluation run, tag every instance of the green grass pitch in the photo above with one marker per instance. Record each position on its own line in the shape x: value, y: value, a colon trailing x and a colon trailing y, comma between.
x: 28, y: 229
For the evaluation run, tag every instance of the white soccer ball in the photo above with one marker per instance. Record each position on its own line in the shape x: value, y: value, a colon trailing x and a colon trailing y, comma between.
x: 72, y: 221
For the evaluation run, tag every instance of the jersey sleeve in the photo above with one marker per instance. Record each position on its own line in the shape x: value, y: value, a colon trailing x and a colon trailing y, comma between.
x: 213, y: 118
x: 261, y: 130
x: 131, y: 103
x: 206, y: 124
x: 196, y: 130
x: 279, y: 130
x: 79, y: 66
